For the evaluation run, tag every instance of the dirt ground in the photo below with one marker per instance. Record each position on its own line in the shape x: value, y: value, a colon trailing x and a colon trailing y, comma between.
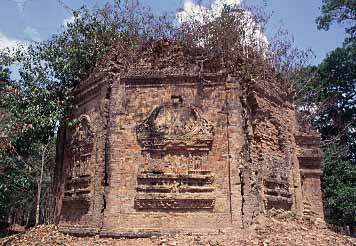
x: 270, y: 230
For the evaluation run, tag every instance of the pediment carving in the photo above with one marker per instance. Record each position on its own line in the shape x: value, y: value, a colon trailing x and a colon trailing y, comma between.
x: 83, y: 133
x: 175, y: 142
x: 175, y: 125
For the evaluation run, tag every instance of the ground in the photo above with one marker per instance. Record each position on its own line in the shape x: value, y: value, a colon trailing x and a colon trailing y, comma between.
x: 269, y: 230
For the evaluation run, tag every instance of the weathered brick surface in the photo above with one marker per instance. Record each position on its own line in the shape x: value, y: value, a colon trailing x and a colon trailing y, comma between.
x: 177, y: 148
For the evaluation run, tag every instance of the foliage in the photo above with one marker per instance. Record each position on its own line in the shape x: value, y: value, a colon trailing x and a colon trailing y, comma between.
x: 338, y: 82
x: 72, y: 54
x: 340, y: 11
x: 339, y: 187
x: 4, y: 74
x: 236, y: 35
x: 337, y: 124
x: 327, y: 95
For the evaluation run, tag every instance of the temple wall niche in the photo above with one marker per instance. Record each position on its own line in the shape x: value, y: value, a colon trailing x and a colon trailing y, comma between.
x: 268, y: 176
x: 310, y: 158
x: 83, y: 154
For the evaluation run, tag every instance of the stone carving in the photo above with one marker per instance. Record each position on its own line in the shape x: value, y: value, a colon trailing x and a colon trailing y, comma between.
x: 169, y: 201
x: 277, y: 193
x: 82, y: 144
x: 276, y: 186
x: 82, y: 140
x: 175, y: 141
x: 175, y: 125
x: 83, y: 133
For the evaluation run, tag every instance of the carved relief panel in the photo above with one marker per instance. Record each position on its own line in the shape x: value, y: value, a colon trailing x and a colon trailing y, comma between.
x: 81, y: 147
x: 80, y: 152
x: 175, y: 142
x: 276, y: 186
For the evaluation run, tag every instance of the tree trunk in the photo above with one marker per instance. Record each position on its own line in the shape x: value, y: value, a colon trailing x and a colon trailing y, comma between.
x: 28, y: 217
x: 10, y: 218
x: 39, y: 187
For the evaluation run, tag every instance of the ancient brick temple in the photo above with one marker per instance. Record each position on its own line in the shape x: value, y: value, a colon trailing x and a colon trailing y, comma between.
x: 167, y: 141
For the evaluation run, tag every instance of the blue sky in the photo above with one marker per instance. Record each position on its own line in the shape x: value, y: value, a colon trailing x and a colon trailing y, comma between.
x: 35, y: 20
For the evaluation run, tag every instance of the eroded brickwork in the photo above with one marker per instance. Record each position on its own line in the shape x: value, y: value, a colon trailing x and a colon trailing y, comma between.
x: 172, y: 143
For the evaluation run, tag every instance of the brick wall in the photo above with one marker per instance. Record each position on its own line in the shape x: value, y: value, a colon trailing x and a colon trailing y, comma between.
x: 163, y: 147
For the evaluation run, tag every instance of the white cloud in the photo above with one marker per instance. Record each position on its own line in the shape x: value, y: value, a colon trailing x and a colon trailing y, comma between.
x: 6, y: 42
x: 32, y: 34
x: 198, y: 13
x: 218, y: 5
x: 191, y: 12
x: 68, y: 20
